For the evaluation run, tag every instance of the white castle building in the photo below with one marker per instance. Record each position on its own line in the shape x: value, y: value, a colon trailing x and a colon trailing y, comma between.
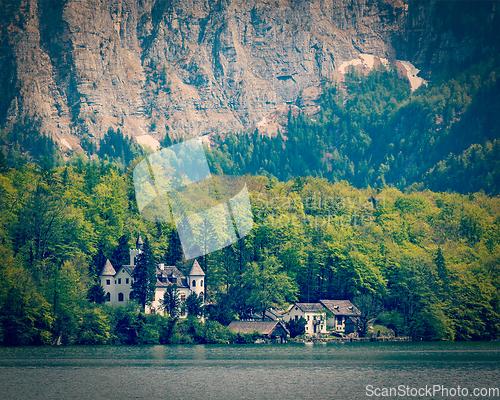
x: 117, y: 283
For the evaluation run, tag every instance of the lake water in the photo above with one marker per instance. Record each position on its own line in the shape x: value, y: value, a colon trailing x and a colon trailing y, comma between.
x: 291, y: 371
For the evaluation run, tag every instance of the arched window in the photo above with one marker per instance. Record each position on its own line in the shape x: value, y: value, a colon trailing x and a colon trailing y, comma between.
x: 120, y: 296
x: 201, y: 283
x: 194, y: 283
x: 108, y: 296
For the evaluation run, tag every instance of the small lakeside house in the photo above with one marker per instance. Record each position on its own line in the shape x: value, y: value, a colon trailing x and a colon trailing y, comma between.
x: 345, y: 317
x: 273, y: 330
x: 340, y: 316
x: 313, y: 313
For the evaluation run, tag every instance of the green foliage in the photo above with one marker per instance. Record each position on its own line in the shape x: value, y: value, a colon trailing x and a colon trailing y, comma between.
x: 171, y: 302
x: 216, y: 333
x: 296, y: 327
x: 392, y: 320
x: 118, y: 149
x: 96, y: 294
x: 125, y: 325
x: 431, y: 324
x: 68, y: 289
x: 370, y: 308
x: 144, y: 279
x: 223, y: 309
x: 268, y: 285
x: 121, y: 254
x: 430, y: 258
x: 95, y: 327
x: 25, y: 316
x: 25, y: 142
x: 194, y: 304
x: 173, y: 254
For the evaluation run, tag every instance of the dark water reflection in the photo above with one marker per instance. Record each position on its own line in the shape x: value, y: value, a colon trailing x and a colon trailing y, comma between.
x: 334, y: 371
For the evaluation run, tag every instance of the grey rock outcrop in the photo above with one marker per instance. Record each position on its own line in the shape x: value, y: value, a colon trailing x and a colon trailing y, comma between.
x: 193, y: 67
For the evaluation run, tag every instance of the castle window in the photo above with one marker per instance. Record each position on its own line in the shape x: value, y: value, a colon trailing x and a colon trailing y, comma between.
x: 120, y: 296
x: 201, y: 283
x: 108, y: 296
x: 194, y: 283
x: 119, y: 281
x: 108, y: 281
x: 126, y: 280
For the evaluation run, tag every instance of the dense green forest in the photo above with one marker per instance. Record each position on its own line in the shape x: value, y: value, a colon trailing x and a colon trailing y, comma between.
x: 386, y: 198
x: 427, y: 263
x: 373, y: 131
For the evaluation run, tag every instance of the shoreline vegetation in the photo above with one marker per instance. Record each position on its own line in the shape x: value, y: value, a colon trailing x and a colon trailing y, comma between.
x: 423, y: 264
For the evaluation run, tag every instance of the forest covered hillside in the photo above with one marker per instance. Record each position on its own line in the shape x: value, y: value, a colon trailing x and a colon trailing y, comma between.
x: 426, y: 263
x: 372, y: 130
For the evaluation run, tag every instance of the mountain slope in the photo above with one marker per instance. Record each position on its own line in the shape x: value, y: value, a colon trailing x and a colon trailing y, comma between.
x: 372, y: 130
x: 79, y: 68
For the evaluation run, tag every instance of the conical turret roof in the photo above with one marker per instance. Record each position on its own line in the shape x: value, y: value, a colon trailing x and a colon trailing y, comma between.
x: 139, y: 241
x: 108, y: 269
x: 196, y: 269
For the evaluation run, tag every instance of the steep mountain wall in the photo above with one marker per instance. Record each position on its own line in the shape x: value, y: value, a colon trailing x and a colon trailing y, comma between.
x: 79, y: 67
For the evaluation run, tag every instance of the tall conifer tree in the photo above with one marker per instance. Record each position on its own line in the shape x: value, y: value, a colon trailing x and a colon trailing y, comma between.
x: 174, y: 253
x: 121, y: 254
x: 144, y: 283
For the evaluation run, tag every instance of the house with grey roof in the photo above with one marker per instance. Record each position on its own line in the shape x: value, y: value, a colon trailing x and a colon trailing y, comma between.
x: 344, y: 317
x: 273, y: 330
x: 313, y: 313
x: 117, y: 282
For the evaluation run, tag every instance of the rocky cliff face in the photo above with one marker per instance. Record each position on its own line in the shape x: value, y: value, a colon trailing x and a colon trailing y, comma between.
x: 193, y: 67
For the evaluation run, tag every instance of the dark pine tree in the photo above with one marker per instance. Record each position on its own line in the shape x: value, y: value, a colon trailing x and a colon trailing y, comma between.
x: 144, y: 283
x: 194, y: 304
x: 96, y: 294
x: 296, y: 327
x: 174, y: 253
x: 171, y: 301
x: 441, y: 266
x: 121, y: 254
x: 97, y: 265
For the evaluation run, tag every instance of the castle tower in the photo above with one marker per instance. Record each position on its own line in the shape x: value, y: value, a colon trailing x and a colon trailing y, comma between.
x: 107, y: 280
x: 139, y: 243
x: 138, y: 250
x: 196, y: 279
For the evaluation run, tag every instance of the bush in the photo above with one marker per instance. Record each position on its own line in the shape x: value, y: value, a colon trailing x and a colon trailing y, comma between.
x: 215, y: 333
x: 296, y: 327
x: 95, y: 328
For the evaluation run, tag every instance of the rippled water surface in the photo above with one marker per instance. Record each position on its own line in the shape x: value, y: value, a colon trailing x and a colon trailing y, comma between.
x: 333, y: 371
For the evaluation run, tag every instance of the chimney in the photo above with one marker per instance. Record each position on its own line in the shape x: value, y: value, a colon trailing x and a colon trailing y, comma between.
x: 161, y: 266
